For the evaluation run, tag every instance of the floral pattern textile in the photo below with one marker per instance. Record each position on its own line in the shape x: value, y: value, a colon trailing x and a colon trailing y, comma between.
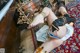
x: 72, y: 45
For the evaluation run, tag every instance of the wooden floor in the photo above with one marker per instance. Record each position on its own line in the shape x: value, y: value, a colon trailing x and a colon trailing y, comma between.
x: 26, y: 42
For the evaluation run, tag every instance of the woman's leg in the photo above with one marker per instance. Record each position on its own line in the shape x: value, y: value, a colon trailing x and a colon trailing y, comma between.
x: 47, y: 12
x: 50, y: 15
x: 49, y: 45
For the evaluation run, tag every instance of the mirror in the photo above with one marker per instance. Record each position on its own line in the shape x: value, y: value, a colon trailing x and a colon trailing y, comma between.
x: 4, y: 6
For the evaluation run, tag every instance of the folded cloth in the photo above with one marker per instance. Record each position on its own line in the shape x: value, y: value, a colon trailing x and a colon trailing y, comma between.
x: 41, y: 34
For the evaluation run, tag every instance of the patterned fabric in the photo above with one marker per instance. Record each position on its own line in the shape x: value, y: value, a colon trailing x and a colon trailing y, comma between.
x: 72, y: 45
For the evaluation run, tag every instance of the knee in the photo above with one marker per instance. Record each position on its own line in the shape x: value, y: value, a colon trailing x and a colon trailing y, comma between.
x: 46, y: 10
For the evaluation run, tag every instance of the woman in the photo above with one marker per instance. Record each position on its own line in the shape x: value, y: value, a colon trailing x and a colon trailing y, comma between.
x: 62, y: 28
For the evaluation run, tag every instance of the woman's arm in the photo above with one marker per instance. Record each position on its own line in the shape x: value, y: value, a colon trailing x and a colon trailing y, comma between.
x: 48, y: 46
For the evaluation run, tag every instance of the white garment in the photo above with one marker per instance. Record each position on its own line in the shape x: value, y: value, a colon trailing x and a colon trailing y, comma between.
x: 69, y: 33
x: 42, y: 33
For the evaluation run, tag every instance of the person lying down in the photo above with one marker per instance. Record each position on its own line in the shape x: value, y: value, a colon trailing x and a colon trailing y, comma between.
x: 62, y: 28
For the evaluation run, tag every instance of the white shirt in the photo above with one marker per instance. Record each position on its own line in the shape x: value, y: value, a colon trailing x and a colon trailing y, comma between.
x: 69, y: 33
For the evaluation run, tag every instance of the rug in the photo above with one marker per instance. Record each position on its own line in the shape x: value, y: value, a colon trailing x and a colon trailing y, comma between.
x: 72, y: 45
